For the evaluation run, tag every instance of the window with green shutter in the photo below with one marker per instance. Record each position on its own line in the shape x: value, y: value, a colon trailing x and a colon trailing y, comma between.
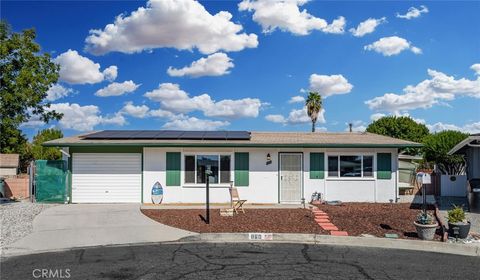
x: 317, y: 166
x: 241, y: 169
x: 384, y: 166
x: 173, y: 169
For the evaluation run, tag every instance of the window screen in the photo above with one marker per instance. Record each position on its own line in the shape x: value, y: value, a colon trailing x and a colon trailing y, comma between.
x: 367, y: 166
x: 225, y: 169
x: 203, y: 163
x: 333, y: 166
x: 350, y: 166
x: 190, y: 169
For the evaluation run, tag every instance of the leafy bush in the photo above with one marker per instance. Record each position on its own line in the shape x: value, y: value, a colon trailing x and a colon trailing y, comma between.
x: 402, y: 128
x: 436, y: 148
x: 456, y: 215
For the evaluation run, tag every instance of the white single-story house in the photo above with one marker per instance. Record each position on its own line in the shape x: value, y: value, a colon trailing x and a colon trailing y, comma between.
x: 266, y: 167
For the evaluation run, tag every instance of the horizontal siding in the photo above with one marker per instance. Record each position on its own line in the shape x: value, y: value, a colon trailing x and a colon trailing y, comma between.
x: 106, y: 177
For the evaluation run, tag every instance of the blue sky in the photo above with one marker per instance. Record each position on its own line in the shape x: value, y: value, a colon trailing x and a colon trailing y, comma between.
x: 249, y: 60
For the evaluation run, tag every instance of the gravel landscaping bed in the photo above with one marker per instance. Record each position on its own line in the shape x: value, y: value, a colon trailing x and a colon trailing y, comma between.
x: 254, y: 220
x: 16, y: 220
x: 376, y: 218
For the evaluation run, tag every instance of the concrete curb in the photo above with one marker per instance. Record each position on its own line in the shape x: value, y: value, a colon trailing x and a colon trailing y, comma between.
x: 317, y: 239
x: 369, y: 242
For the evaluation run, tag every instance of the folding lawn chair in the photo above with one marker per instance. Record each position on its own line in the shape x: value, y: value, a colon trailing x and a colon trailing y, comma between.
x: 236, y: 202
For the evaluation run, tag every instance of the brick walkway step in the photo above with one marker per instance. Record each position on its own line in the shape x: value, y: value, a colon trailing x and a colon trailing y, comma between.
x: 320, y: 215
x: 334, y: 228
x: 338, y: 233
x: 320, y: 220
x: 327, y: 224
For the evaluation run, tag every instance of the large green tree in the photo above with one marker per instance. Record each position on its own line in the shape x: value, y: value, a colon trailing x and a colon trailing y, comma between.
x: 48, y: 153
x: 26, y: 74
x: 314, y: 106
x: 402, y: 128
x: 436, y: 148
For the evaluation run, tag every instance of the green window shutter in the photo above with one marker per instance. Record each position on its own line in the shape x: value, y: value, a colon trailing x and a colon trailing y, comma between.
x: 317, y: 165
x: 241, y: 169
x: 384, y: 166
x: 173, y: 169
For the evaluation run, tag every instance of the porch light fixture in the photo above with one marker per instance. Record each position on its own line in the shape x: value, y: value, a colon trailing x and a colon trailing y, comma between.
x: 269, y: 159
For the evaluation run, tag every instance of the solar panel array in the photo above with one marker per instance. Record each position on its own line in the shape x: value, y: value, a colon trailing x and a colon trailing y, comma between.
x: 170, y: 135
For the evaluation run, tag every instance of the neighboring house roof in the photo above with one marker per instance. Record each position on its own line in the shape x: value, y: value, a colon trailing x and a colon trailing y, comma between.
x: 257, y: 139
x: 9, y: 160
x: 471, y: 141
x: 409, y: 157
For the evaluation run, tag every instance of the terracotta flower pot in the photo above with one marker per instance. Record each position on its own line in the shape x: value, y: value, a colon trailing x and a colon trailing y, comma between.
x: 426, y: 232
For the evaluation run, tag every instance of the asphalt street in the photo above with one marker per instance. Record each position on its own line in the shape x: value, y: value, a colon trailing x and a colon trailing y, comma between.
x: 240, y: 261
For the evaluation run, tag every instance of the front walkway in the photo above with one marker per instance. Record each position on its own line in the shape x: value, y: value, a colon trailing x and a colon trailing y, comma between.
x: 446, y: 203
x: 82, y: 225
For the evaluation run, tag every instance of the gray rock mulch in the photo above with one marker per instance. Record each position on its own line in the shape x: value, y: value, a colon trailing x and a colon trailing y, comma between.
x: 16, y: 220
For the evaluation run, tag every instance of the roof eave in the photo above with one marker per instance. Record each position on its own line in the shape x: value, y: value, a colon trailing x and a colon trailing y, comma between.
x: 239, y: 145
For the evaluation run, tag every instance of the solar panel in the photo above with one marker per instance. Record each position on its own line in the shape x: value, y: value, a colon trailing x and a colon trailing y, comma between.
x: 215, y: 135
x: 238, y: 135
x: 170, y: 135
x: 145, y: 134
x: 192, y: 135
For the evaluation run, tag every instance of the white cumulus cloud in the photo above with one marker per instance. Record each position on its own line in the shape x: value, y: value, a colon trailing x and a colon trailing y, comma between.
x: 77, y: 69
x: 467, y: 128
x: 174, y: 99
x: 57, y: 91
x: 84, y: 118
x: 111, y: 73
x: 393, y: 45
x: 297, y: 99
x: 476, y: 67
x: 414, y: 12
x: 117, y: 89
x: 140, y: 111
x: 439, y: 88
x: 216, y: 64
x: 327, y: 85
x: 285, y: 15
x: 180, y: 24
x: 296, y: 116
x: 377, y: 116
x: 367, y: 26
x: 193, y: 123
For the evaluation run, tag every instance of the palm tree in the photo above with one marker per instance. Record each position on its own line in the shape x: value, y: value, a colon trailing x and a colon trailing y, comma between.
x: 314, y: 106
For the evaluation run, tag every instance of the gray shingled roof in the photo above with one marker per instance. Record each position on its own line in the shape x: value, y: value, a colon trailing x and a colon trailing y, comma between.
x: 277, y: 139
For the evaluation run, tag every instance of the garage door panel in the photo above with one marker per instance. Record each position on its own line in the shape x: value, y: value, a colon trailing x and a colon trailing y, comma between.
x: 106, y: 177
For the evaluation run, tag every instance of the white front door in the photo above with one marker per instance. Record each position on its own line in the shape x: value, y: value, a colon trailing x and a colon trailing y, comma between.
x: 290, y: 171
x: 106, y: 177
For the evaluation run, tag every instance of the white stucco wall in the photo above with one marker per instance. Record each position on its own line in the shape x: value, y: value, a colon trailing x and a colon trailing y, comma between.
x: 263, y: 179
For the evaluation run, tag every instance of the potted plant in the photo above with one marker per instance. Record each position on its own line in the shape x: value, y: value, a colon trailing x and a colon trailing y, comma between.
x: 426, y: 226
x: 458, y: 226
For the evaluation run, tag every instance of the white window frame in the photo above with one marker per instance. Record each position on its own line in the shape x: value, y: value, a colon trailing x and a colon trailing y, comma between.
x: 361, y: 178
x: 219, y: 184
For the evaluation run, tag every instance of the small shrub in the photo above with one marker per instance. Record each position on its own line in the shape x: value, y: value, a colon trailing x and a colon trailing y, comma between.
x: 456, y: 215
x: 425, y: 219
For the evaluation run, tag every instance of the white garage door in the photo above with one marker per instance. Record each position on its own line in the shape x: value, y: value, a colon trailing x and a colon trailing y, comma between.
x: 105, y: 177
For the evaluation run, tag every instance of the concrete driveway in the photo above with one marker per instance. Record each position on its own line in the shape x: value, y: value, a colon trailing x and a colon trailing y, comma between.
x: 81, y: 225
